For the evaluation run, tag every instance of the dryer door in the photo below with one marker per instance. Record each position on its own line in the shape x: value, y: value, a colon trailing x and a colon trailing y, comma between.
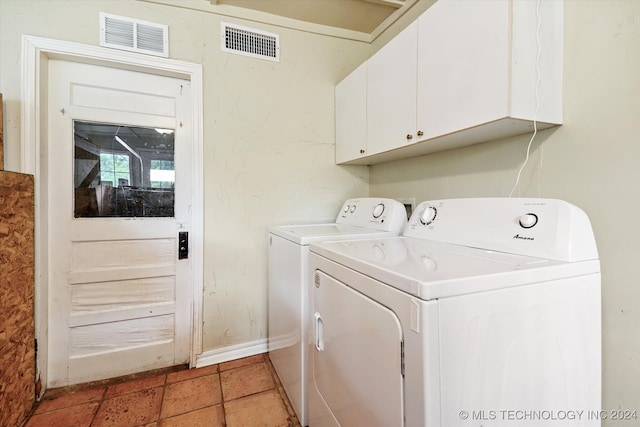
x: 357, y: 357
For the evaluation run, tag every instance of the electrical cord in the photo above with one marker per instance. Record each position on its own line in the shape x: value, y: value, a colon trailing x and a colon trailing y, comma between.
x: 537, y: 100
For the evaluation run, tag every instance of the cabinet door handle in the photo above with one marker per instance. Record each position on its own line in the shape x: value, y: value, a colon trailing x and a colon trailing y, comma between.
x: 409, y: 137
x: 420, y: 133
x: 361, y: 151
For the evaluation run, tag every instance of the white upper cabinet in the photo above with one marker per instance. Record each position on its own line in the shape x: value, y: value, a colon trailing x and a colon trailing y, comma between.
x: 465, y: 72
x: 464, y: 65
x: 351, y: 116
x: 391, y: 93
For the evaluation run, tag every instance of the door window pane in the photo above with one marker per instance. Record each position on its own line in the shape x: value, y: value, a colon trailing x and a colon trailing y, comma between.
x: 123, y: 171
x: 163, y: 174
x: 114, y: 168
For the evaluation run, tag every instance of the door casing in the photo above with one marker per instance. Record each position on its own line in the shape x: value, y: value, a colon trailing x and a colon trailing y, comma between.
x: 36, y: 51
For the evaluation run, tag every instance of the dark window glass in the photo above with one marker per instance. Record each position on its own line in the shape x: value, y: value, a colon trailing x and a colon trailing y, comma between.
x: 123, y: 171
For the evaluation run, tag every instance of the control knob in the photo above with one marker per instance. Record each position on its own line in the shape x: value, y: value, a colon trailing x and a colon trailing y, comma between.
x: 528, y: 220
x: 378, y: 210
x: 429, y: 263
x: 428, y: 215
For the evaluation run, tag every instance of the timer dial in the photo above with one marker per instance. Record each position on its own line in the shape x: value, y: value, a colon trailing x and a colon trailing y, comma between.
x: 428, y: 215
x: 378, y: 210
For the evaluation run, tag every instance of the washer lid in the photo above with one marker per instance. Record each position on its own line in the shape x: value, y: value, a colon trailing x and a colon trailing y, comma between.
x: 430, y: 270
x: 307, y: 233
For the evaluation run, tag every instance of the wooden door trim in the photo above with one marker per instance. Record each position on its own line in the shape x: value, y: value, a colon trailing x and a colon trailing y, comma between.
x: 36, y: 51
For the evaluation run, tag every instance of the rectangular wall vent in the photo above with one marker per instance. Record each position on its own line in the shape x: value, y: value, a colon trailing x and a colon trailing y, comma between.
x: 249, y: 42
x: 134, y: 35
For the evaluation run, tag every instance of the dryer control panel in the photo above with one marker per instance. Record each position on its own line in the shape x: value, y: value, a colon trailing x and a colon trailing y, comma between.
x: 375, y: 213
x: 546, y: 228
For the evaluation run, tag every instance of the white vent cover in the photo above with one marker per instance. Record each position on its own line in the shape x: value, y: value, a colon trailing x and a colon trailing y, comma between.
x: 249, y: 42
x: 134, y: 35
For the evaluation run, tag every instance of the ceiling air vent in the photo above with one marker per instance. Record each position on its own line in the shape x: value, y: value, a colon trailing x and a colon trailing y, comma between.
x: 134, y: 35
x: 250, y: 42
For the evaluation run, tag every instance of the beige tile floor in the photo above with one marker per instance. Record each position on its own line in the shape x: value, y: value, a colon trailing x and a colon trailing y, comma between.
x: 241, y: 393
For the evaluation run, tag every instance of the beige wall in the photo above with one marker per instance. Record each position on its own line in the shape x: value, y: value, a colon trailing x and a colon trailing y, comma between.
x: 590, y: 161
x: 269, y: 152
x: 268, y: 138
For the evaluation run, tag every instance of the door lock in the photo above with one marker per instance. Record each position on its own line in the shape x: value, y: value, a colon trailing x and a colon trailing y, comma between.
x: 183, y: 245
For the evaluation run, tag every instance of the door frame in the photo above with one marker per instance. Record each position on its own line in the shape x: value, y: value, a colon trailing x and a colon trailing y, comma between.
x: 36, y: 52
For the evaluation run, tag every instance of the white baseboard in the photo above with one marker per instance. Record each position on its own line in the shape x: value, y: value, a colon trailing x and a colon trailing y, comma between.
x: 233, y: 352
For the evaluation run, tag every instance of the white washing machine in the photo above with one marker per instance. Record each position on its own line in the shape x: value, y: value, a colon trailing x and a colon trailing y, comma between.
x: 288, y: 283
x: 485, y: 312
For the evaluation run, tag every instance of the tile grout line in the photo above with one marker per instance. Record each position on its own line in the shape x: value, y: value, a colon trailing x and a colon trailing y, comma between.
x: 164, y: 391
x: 224, y: 411
x: 95, y: 414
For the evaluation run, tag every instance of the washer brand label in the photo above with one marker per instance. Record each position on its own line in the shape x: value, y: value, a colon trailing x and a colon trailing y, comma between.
x: 519, y: 237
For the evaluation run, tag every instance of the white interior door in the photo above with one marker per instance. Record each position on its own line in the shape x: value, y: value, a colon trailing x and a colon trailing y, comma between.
x: 118, y: 185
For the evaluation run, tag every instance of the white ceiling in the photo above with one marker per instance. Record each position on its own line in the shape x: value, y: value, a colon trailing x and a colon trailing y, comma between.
x: 364, y: 16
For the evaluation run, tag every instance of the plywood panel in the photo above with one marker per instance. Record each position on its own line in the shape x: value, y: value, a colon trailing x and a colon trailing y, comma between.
x: 1, y: 138
x: 17, y: 335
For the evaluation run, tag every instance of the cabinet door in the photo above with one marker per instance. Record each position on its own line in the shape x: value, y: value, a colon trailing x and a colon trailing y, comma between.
x: 351, y: 116
x: 463, y: 65
x: 391, y: 93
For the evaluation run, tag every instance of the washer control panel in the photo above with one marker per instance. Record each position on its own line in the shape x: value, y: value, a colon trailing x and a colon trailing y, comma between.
x: 376, y: 213
x: 546, y: 228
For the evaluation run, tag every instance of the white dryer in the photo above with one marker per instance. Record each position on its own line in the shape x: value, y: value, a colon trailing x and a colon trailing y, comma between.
x: 288, y: 311
x: 484, y: 312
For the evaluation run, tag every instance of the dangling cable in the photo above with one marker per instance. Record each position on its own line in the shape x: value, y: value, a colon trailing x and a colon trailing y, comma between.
x: 540, y: 168
x: 526, y: 160
x: 537, y: 99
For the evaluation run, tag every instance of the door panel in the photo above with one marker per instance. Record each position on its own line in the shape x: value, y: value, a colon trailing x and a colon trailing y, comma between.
x: 119, y: 298
x: 87, y: 340
x: 123, y: 100
x: 357, y: 356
